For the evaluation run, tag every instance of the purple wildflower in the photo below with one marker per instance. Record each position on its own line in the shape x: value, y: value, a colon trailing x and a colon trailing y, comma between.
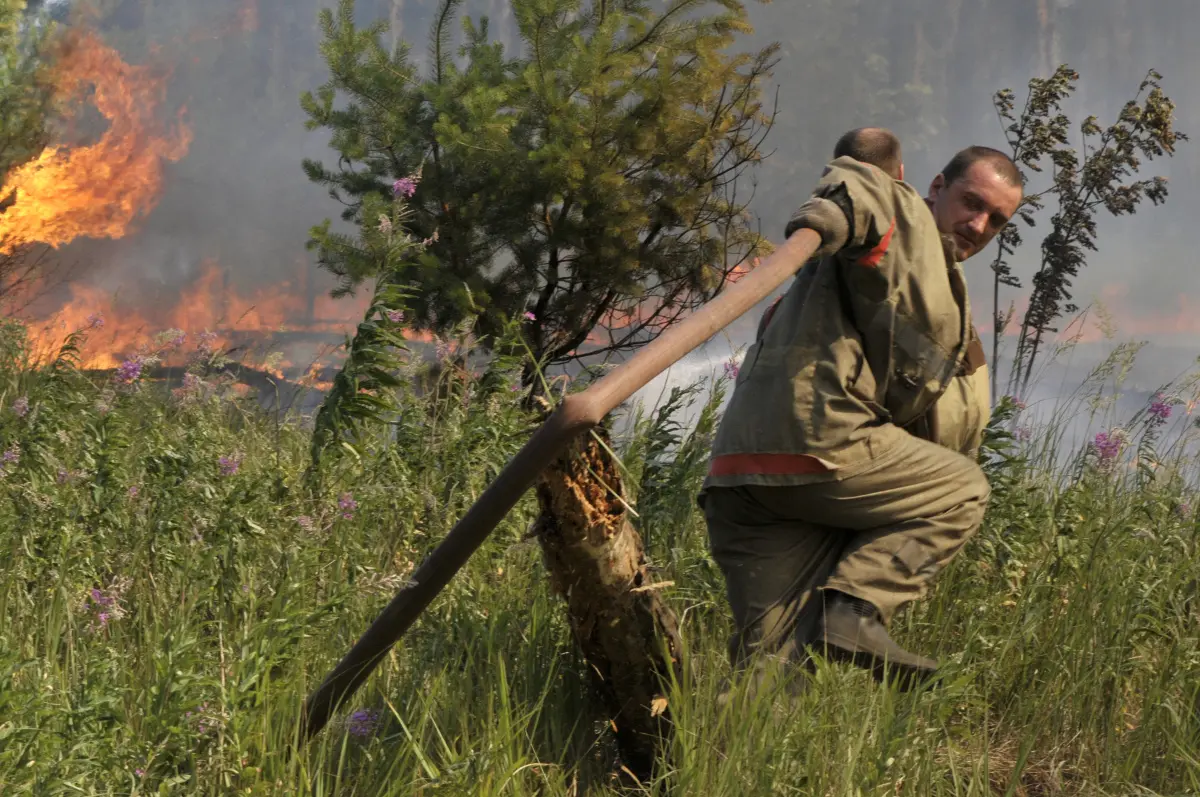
x: 12, y: 456
x: 731, y: 369
x: 133, y: 491
x: 173, y: 338
x: 141, y: 773
x: 405, y: 186
x: 530, y: 316
x: 100, y: 599
x: 347, y: 504
x: 20, y: 407
x: 129, y: 371
x: 305, y: 523
x: 95, y: 320
x: 206, y: 342
x: 1107, y: 447
x: 362, y: 722
x: 105, y: 606
x: 191, y: 387
x: 395, y: 316
x: 229, y: 465
x: 1160, y: 409
x: 1024, y: 433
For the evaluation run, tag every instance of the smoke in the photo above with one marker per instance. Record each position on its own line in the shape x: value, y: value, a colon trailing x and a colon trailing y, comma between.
x: 926, y: 68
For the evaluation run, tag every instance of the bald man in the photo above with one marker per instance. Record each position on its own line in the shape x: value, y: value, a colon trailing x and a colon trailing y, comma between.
x: 828, y: 505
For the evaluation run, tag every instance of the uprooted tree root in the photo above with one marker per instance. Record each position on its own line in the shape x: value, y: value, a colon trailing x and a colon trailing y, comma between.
x: 622, y: 626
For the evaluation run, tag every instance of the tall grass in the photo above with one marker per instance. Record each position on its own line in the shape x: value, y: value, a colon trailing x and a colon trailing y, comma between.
x: 172, y: 588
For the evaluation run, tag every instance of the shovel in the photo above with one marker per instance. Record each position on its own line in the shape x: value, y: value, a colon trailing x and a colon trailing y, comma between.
x: 576, y: 413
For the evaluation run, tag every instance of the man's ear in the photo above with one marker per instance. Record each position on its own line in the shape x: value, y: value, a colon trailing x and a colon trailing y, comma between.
x: 901, y: 178
x: 936, y: 186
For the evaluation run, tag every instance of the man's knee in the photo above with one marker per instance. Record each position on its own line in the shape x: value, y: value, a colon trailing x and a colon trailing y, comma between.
x: 979, y: 491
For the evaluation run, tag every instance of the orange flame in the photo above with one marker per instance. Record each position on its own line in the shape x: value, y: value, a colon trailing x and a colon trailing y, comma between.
x: 98, y: 190
x: 206, y: 305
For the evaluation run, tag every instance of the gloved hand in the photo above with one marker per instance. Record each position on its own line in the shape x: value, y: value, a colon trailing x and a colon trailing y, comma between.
x: 827, y: 218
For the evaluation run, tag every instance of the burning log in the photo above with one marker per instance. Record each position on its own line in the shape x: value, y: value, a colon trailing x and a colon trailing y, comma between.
x: 572, y: 551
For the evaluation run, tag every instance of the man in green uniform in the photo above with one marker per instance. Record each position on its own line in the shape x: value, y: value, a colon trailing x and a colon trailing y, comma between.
x: 842, y: 477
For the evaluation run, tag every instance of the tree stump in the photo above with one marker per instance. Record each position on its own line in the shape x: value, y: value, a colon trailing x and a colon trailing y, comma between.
x: 596, y: 563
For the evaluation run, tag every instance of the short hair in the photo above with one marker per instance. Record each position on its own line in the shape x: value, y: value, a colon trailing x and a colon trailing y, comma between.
x: 964, y: 159
x: 877, y: 146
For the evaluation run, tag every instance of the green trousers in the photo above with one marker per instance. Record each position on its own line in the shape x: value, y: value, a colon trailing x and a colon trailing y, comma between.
x: 880, y: 533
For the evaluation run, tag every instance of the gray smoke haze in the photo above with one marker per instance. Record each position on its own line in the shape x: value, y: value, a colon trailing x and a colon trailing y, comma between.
x: 926, y: 68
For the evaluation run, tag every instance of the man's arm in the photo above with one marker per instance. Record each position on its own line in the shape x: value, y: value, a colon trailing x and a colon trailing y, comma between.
x: 853, y: 208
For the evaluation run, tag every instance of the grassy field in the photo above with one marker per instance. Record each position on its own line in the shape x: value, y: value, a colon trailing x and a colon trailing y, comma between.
x: 172, y: 586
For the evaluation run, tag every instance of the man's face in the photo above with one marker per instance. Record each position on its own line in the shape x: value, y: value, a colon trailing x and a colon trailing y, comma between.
x: 973, y: 208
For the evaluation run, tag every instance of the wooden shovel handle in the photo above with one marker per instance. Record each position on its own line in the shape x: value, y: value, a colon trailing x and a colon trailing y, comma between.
x: 575, y: 414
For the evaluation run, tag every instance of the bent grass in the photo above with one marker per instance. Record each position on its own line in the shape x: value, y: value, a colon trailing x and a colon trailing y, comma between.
x: 162, y: 617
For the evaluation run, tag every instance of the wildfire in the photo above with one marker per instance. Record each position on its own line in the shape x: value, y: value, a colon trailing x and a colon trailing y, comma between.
x: 97, y: 190
x: 207, y: 306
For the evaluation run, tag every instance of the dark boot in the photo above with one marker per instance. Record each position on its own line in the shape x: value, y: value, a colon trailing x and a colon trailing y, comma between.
x: 852, y: 630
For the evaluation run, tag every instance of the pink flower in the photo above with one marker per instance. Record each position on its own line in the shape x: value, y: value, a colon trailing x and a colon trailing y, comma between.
x: 1107, y: 446
x: 1160, y: 409
x: 95, y: 321
x: 347, y: 504
x: 731, y: 369
x: 395, y: 316
x: 530, y: 316
x: 229, y: 465
x: 206, y: 342
x: 172, y: 338
x: 405, y: 186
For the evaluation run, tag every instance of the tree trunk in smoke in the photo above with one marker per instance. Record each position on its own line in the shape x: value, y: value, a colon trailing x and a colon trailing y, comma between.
x: 396, y: 22
x: 617, y: 616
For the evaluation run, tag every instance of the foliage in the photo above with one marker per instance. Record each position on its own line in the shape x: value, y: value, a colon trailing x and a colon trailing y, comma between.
x: 666, y: 460
x: 170, y: 596
x: 363, y: 390
x: 587, y: 181
x: 26, y: 92
x: 26, y: 111
x: 1144, y: 129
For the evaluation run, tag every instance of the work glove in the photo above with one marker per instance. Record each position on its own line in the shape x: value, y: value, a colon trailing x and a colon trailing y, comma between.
x: 826, y: 216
